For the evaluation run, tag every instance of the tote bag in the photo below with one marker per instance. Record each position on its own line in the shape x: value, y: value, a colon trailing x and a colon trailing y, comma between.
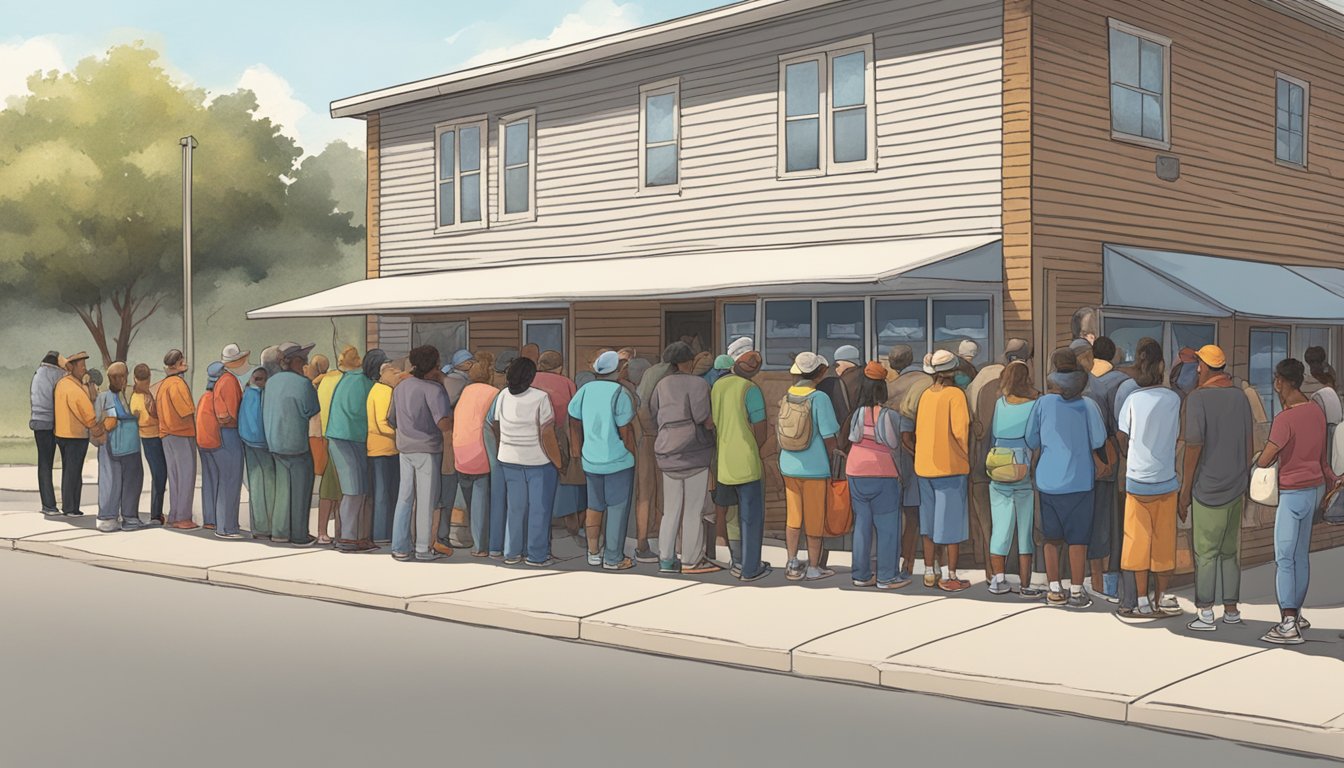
x: 1265, y: 485
x: 839, y: 519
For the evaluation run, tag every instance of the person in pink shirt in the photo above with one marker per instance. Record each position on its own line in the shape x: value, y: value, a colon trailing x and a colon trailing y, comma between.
x: 875, y: 483
x: 469, y: 455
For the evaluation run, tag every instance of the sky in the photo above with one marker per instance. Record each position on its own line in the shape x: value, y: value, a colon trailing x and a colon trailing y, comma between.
x: 299, y: 55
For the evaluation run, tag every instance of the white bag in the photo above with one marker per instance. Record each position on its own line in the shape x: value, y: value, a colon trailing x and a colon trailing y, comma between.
x: 1265, y: 486
x: 1337, y: 450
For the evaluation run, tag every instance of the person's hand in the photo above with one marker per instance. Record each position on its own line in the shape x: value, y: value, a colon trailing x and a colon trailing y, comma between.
x: 1183, y: 504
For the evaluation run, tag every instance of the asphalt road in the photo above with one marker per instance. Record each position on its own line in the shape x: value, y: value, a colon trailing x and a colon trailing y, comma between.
x: 107, y: 668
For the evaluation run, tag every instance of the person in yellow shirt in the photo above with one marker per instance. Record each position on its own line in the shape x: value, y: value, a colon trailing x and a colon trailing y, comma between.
x: 942, y: 464
x: 383, y: 456
x: 75, y: 421
x: 329, y: 490
x: 142, y: 406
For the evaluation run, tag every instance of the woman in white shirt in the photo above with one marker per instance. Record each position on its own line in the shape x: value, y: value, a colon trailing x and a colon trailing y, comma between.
x: 529, y: 454
x: 1322, y: 388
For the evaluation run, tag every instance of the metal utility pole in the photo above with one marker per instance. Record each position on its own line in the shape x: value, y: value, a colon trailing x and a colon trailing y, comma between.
x: 188, y: 144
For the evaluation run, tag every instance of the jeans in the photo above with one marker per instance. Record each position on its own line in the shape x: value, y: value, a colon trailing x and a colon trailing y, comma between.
x: 46, y: 463
x: 120, y: 480
x: 385, y: 474
x: 351, y: 459
x: 1292, y: 544
x: 180, y: 453
x: 530, y: 495
x: 158, y: 474
x: 260, y: 488
x: 613, y: 493
x: 1216, y: 538
x: 686, y: 507
x: 497, y: 492
x: 751, y: 520
x: 293, y: 497
x: 229, y: 487
x: 73, y: 451
x: 877, y: 505
x: 418, y: 491
x: 209, y: 486
x: 476, y: 497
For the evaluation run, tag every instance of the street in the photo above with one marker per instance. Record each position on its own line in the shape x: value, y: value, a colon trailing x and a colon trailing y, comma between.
x: 120, y: 669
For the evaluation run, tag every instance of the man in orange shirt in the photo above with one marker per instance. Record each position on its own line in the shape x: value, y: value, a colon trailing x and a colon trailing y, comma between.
x: 75, y: 420
x: 942, y: 464
x: 177, y: 428
x: 229, y: 458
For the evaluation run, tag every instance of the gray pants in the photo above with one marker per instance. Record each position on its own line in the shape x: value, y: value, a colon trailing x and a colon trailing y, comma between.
x: 180, y: 454
x: 419, y: 487
x: 120, y: 480
x: 685, y: 506
x: 352, y: 467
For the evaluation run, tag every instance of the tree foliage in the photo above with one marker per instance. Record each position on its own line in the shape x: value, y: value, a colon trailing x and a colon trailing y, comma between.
x: 90, y: 194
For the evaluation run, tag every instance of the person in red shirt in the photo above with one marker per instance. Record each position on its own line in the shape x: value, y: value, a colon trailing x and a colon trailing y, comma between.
x: 229, y: 456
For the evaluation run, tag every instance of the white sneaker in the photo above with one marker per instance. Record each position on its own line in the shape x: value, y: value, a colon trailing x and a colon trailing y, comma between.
x: 1169, y: 605
x: 108, y: 526
x: 1096, y: 594
x: 1232, y: 618
x: 1204, y: 622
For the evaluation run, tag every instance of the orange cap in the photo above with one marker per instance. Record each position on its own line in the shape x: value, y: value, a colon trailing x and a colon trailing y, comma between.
x: 1212, y: 355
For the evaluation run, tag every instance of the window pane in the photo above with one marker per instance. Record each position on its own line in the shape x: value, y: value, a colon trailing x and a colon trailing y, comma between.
x: 738, y: 320
x: 802, y: 89
x: 1295, y: 154
x: 1281, y: 119
x: 1295, y: 122
x: 1124, y: 58
x: 1150, y: 67
x: 446, y: 204
x: 839, y: 323
x: 516, y: 192
x: 446, y: 155
x: 848, y: 80
x: 801, y: 145
x: 1189, y: 336
x: 447, y: 337
x: 957, y: 320
x: 851, y: 135
x: 1126, y: 333
x: 660, y: 166
x: 1305, y: 338
x: 1282, y: 96
x: 788, y: 331
x: 1126, y: 111
x: 1282, y: 150
x: 471, y: 197
x: 1268, y: 347
x: 901, y: 321
x: 658, y: 118
x: 470, y: 145
x: 515, y: 143
x: 547, y: 336
x: 1152, y: 118
x: 1295, y: 98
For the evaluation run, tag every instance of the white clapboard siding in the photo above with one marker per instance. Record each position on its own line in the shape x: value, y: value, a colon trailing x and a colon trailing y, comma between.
x: 939, y: 135
x: 394, y: 335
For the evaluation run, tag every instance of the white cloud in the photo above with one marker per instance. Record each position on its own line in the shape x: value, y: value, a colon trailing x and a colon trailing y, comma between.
x: 311, y: 129
x: 20, y: 60
x: 594, y: 18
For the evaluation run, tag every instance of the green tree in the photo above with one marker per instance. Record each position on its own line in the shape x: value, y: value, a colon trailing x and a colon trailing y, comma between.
x: 90, y: 194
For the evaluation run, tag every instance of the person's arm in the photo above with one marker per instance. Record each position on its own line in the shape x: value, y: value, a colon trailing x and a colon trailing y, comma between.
x: 109, y: 421
x: 1269, y: 455
x: 225, y: 406
x: 179, y: 399
x: 1192, y: 454
x: 392, y: 410
x: 309, y: 407
x: 625, y: 417
x: 961, y: 424
x: 382, y: 412
x: 575, y: 435
x: 627, y: 434
x: 759, y: 431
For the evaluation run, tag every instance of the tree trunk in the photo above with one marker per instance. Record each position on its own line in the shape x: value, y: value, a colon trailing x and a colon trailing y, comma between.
x: 93, y: 321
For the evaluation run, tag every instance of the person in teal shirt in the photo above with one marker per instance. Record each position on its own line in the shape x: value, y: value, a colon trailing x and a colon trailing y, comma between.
x: 289, y: 401
x: 347, y: 440
x: 807, y: 471
x: 600, y: 415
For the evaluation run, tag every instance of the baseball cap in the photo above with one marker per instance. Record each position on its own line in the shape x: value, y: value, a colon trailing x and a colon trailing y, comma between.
x: 807, y: 363
x: 967, y: 348
x: 291, y: 349
x: 849, y: 354
x: 1080, y: 345
x: 459, y: 357
x: 723, y: 362
x: 1017, y: 349
x: 606, y: 363
x: 1212, y: 355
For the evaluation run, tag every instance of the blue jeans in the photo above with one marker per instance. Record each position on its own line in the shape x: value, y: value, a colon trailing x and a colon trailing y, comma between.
x: 530, y: 495
x: 229, y: 480
x: 1292, y: 544
x: 476, y: 494
x: 877, y: 505
x: 611, y: 494
x: 751, y: 520
x: 497, y: 491
x: 209, y: 484
x: 386, y: 482
x: 417, y: 492
x: 158, y: 474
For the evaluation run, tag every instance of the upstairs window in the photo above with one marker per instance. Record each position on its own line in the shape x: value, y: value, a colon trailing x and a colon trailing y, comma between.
x: 1140, y: 85
x: 460, y: 150
x: 1290, y: 120
x: 517, y: 166
x: 660, y: 137
x: 826, y: 116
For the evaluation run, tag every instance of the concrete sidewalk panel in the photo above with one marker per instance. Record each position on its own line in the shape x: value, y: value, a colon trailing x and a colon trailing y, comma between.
x: 553, y: 604
x: 1050, y: 659
x: 924, y: 617
x: 161, y: 552
x: 373, y: 579
x: 21, y: 526
x: 1278, y: 697
x: 749, y: 625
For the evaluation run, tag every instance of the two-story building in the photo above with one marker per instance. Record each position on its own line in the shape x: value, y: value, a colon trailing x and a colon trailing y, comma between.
x: 814, y: 173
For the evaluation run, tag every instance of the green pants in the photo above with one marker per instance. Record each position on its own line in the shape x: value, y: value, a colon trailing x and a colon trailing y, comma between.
x: 1216, y: 535
x: 293, y: 497
x: 260, y: 488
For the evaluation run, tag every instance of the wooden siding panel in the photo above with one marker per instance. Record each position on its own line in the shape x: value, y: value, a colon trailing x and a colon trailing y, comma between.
x: 1017, y: 170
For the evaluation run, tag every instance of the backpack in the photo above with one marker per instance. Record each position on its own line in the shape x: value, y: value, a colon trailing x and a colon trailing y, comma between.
x: 793, y: 429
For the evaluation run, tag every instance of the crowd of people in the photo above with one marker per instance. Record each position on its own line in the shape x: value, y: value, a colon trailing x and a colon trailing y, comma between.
x: 1083, y: 481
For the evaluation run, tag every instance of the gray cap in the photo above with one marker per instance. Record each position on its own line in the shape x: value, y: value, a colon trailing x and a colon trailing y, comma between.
x: 289, y: 349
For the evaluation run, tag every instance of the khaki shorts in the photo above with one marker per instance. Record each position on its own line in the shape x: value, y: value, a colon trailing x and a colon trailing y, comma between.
x: 805, y: 502
x: 1150, y: 533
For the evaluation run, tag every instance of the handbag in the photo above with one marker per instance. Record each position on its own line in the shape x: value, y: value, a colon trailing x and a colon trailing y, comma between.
x: 839, y: 520
x: 1006, y: 465
x: 1265, y: 485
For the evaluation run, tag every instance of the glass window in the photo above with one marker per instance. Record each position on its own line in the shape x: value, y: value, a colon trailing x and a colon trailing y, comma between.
x: 739, y: 320
x: 546, y: 334
x: 1138, y: 84
x: 1268, y: 347
x: 659, y: 141
x: 826, y: 119
x: 461, y: 160
x: 1126, y: 333
x: 802, y: 116
x: 849, y: 110
x: 447, y: 337
x: 955, y: 320
x: 901, y: 321
x: 516, y: 157
x: 788, y: 331
x: 839, y: 323
x: 1290, y: 121
x: 1190, y: 336
x: 1305, y: 337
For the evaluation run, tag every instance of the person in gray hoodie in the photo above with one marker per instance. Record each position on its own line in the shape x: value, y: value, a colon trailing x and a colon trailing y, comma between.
x: 42, y: 420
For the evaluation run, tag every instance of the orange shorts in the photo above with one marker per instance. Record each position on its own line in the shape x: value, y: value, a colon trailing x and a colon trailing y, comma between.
x: 805, y: 502
x: 318, y: 446
x: 1150, y: 533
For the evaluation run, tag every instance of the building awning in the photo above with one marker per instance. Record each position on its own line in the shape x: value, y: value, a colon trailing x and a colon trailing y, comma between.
x: 1209, y: 286
x: 798, y: 270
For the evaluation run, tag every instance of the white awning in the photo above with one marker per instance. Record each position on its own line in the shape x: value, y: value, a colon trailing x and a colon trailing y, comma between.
x: 1139, y: 278
x: 809, y: 269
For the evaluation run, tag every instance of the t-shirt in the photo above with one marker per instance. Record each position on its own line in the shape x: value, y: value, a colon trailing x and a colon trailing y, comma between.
x: 521, y: 419
x: 1104, y: 391
x: 417, y: 407
x: 812, y: 461
x: 604, y: 406
x: 455, y: 383
x: 326, y: 387
x: 175, y: 408
x: 287, y: 403
x: 149, y: 426
x: 207, y: 423
x: 1219, y: 419
x: 1300, y: 434
x: 1009, y: 426
x: 942, y: 434
x: 250, y: 426
x: 469, y: 428
x: 348, y: 417
x: 868, y: 457
x: 228, y: 399
x: 382, y: 436
x: 561, y: 390
x: 1066, y: 432
x: 680, y: 407
x: 737, y: 404
x: 1152, y: 419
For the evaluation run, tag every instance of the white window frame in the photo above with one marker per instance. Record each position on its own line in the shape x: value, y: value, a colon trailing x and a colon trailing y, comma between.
x: 564, y: 335
x: 482, y: 123
x: 824, y: 56
x: 1306, y: 120
x: 661, y: 88
x: 1152, y: 37
x: 530, y: 115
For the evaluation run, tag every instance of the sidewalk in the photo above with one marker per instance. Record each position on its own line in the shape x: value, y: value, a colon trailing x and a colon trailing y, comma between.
x: 1224, y: 684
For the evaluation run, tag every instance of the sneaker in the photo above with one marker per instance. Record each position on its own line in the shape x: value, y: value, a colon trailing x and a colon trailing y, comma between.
x: 1286, y: 633
x: 1080, y: 600
x: 646, y: 555
x: 765, y: 570
x: 108, y: 526
x: 593, y: 560
x: 547, y: 563
x: 930, y: 580
x: 669, y: 566
x: 1031, y: 593
x: 997, y: 587
x: 899, y: 583
x: 497, y: 556
x: 795, y: 571
x: 155, y: 522
x: 1302, y: 623
x: 401, y: 557
x: 869, y: 582
x: 308, y: 542
x: 219, y: 535
x: 1232, y: 618
x: 1096, y: 594
x: 1169, y: 605
x: 430, y: 556
x: 954, y: 584
x: 73, y: 513
x: 460, y: 536
x: 817, y: 574
x: 51, y: 512
x: 625, y: 565
x: 132, y: 524
x: 1056, y: 599
x: 1204, y: 622
x: 512, y: 560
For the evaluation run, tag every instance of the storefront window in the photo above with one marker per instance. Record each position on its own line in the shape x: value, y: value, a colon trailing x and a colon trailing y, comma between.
x: 1190, y: 336
x: 1268, y: 347
x: 1126, y: 332
x: 447, y: 337
x: 901, y: 321
x: 955, y: 320
x: 546, y: 334
x: 788, y: 331
x: 1305, y: 337
x: 738, y: 320
x: 839, y: 323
